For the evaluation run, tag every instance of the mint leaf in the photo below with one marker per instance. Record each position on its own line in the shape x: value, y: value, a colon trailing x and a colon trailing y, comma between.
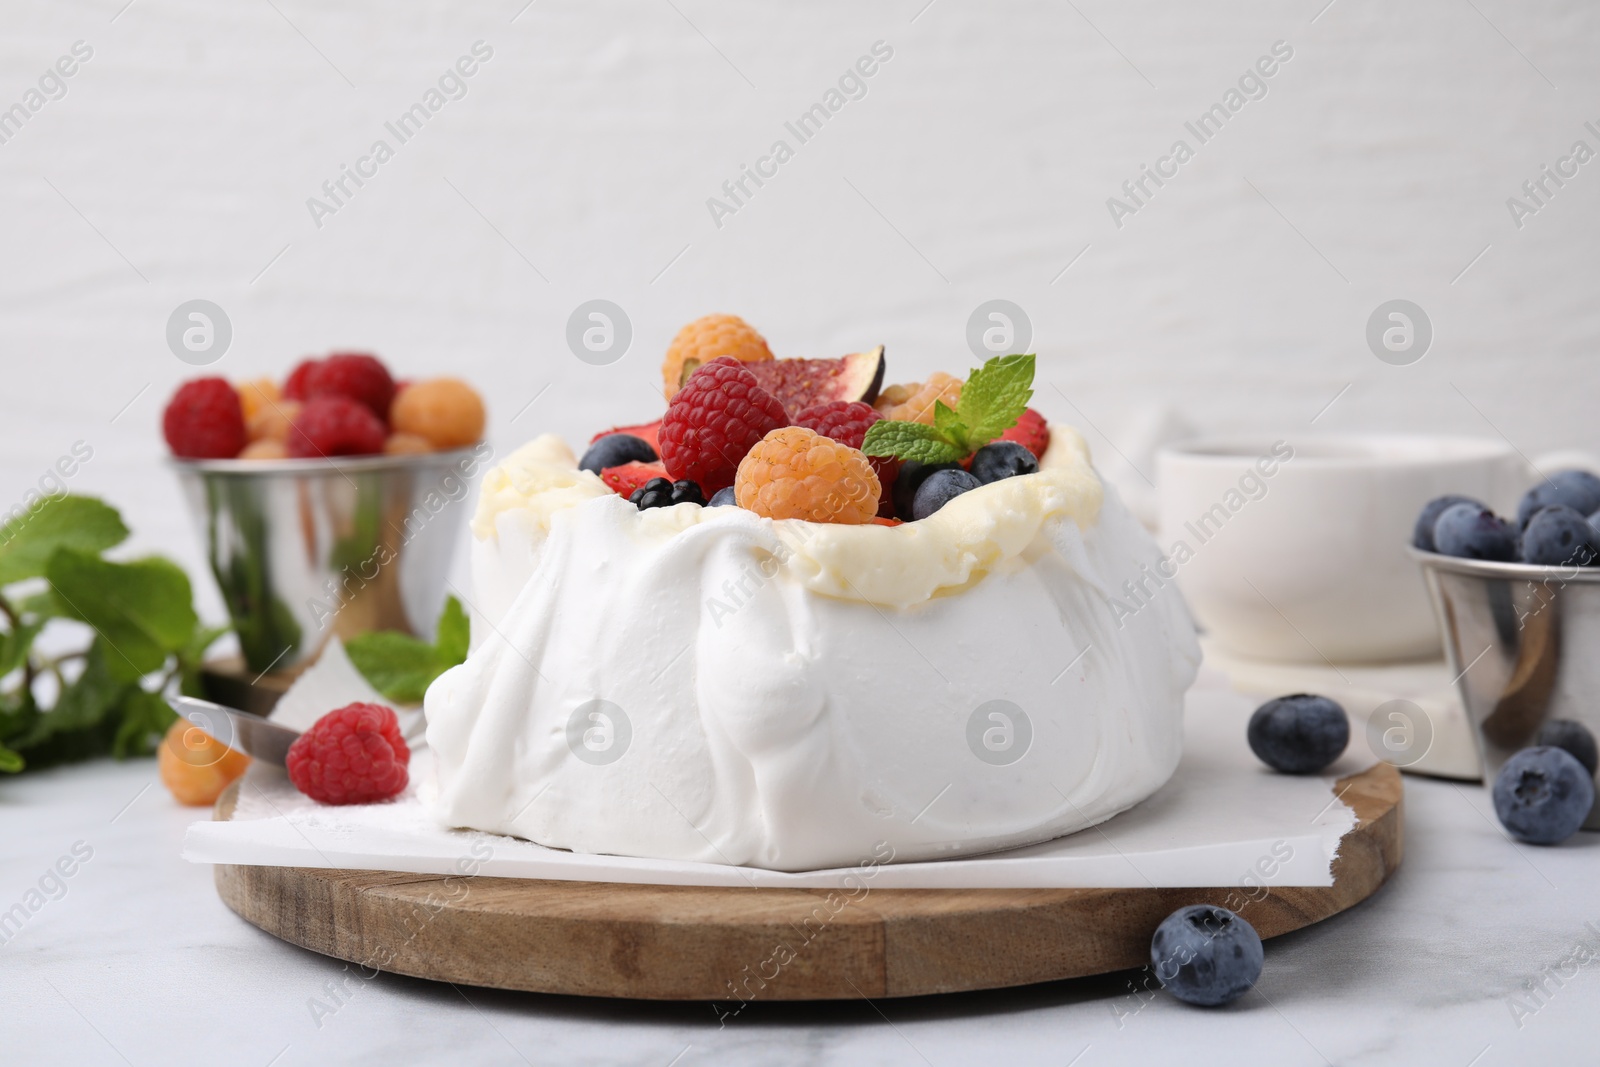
x: 995, y: 396
x: 143, y: 609
x: 145, y: 718
x: 400, y: 666
x: 949, y: 424
x: 78, y: 522
x: 910, y: 440
x: 10, y: 762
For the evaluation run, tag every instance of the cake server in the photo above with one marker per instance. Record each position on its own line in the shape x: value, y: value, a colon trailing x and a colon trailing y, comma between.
x: 251, y: 734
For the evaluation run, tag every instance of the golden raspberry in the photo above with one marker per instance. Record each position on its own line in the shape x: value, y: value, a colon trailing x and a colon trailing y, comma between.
x: 919, y: 406
x: 271, y: 421
x: 407, y: 444
x: 796, y: 473
x: 195, y: 766
x: 256, y: 396
x: 703, y: 340
x: 892, y: 396
x: 265, y: 448
x: 446, y: 411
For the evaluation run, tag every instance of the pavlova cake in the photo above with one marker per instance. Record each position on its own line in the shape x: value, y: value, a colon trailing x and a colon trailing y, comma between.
x: 807, y: 621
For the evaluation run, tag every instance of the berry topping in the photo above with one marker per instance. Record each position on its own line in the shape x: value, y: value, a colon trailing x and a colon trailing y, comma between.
x: 909, y: 480
x: 1558, y: 535
x: 627, y: 478
x: 713, y: 421
x: 1578, y: 490
x: 708, y: 338
x: 919, y: 406
x: 804, y: 383
x: 845, y: 421
x: 1472, y: 532
x: 615, y: 449
x: 1002, y: 459
x: 660, y: 493
x: 1206, y: 955
x: 334, y: 425
x: 796, y: 473
x: 1031, y: 432
x: 447, y: 411
x: 938, y: 489
x: 353, y: 755
x: 723, y: 498
x: 294, y: 386
x: 355, y: 375
x: 1575, y: 738
x: 1422, y: 533
x: 1298, y: 734
x: 649, y: 432
x: 1542, y: 795
x: 204, y: 420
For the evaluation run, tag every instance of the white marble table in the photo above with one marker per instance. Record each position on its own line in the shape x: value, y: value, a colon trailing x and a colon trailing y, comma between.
x: 138, y: 962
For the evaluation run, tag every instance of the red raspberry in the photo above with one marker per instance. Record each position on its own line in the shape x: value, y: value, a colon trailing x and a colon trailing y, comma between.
x: 1031, y: 432
x: 352, y: 374
x: 717, y: 417
x: 628, y: 477
x: 847, y: 421
x: 204, y: 420
x: 353, y: 755
x: 333, y: 425
x: 294, y: 386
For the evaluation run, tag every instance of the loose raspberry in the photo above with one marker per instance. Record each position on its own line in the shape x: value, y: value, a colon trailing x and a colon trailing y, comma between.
x: 447, y: 411
x: 256, y: 396
x: 352, y: 755
x: 847, y: 422
x: 649, y: 432
x: 796, y: 473
x: 294, y: 386
x: 706, y: 339
x: 1031, y: 432
x: 204, y: 420
x: 628, y: 478
x: 333, y: 425
x: 713, y: 421
x: 919, y: 406
x: 355, y: 375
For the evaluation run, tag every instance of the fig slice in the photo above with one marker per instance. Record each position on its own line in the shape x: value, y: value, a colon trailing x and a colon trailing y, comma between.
x: 800, y: 383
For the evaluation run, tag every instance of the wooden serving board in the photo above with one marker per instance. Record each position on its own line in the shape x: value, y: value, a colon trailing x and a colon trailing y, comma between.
x: 738, y: 944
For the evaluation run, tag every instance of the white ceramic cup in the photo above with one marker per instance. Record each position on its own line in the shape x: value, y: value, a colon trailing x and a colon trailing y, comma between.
x: 1293, y: 549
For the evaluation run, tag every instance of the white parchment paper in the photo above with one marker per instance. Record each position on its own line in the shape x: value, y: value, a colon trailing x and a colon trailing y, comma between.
x: 1223, y: 820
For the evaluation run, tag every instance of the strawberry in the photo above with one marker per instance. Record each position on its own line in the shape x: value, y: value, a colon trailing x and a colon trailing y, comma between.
x: 645, y: 431
x: 629, y: 477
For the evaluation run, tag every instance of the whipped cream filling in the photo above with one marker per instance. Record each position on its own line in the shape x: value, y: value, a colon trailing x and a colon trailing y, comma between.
x: 706, y: 684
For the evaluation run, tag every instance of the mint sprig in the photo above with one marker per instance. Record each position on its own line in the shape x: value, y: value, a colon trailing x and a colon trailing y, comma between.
x: 992, y: 400
x: 400, y: 666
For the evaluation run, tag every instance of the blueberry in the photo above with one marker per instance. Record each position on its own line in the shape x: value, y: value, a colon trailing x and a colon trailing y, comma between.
x: 1299, y: 733
x: 722, y: 498
x: 1206, y: 955
x: 1542, y: 795
x: 1573, y: 737
x: 1578, y: 490
x: 1558, y: 535
x: 615, y: 449
x: 660, y: 493
x: 938, y: 489
x: 1002, y: 459
x: 911, y: 477
x: 1422, y: 535
x: 1472, y: 532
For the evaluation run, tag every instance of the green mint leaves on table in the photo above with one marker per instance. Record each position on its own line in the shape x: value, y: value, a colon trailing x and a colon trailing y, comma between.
x: 145, y: 637
x: 400, y: 666
x: 992, y: 400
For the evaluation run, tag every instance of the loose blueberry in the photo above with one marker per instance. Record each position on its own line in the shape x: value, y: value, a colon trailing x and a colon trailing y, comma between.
x: 1472, y: 532
x: 723, y: 498
x: 1572, y: 737
x: 938, y: 489
x: 912, y: 475
x: 1578, y: 490
x: 1558, y: 535
x: 1542, y: 795
x: 1002, y: 459
x: 1206, y: 955
x: 1422, y: 534
x: 660, y: 493
x: 615, y: 449
x: 1299, y: 733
